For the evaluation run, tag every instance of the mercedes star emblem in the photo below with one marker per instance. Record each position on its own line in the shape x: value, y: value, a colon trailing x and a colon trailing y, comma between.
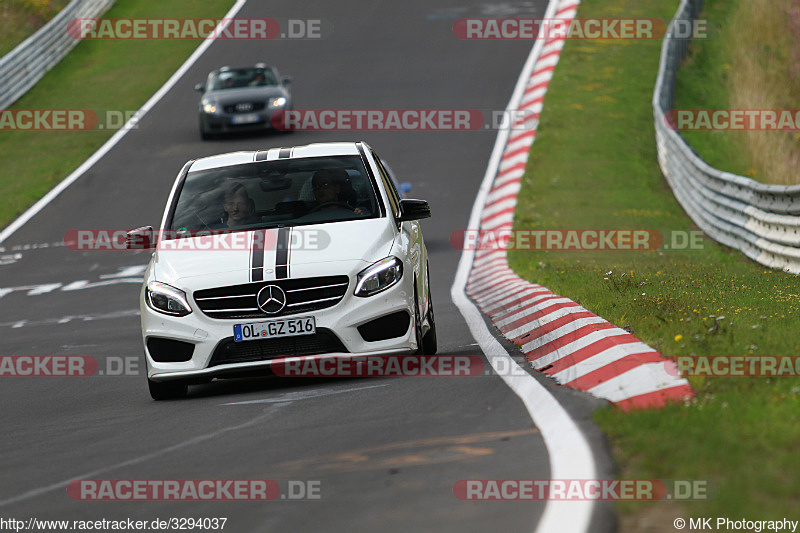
x: 271, y: 299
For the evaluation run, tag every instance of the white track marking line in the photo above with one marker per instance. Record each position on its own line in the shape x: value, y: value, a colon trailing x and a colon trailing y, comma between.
x: 569, y: 452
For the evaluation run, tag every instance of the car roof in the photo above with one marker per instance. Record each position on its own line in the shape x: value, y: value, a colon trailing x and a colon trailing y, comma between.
x: 295, y: 152
x: 258, y: 66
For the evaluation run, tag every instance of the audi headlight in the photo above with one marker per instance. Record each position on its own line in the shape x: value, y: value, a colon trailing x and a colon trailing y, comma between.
x: 379, y: 276
x: 210, y: 108
x: 278, y: 102
x: 166, y: 299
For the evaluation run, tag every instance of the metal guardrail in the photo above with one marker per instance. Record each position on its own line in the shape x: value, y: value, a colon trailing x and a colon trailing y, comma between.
x: 763, y: 221
x: 21, y: 68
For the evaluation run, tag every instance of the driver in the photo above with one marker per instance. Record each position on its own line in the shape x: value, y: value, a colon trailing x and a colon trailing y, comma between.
x: 327, y: 186
x: 258, y: 80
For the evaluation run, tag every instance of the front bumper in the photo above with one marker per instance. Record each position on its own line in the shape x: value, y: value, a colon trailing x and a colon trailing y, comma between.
x: 227, y: 122
x: 206, y: 335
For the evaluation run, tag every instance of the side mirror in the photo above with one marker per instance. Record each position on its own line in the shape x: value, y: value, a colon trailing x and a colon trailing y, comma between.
x: 414, y: 210
x: 140, y: 239
x: 200, y: 87
x: 286, y: 80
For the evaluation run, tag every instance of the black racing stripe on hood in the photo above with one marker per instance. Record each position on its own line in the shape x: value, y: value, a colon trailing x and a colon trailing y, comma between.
x: 282, y: 254
x: 257, y: 254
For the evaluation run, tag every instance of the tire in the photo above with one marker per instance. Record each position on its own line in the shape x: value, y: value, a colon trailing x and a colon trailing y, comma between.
x: 418, y: 324
x: 429, y: 345
x: 167, y: 390
x: 426, y: 345
x: 206, y: 136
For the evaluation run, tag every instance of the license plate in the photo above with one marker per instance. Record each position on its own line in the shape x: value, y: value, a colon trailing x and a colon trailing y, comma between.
x: 287, y: 327
x: 249, y: 118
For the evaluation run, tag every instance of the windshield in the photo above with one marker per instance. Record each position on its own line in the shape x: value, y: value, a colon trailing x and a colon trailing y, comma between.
x: 242, y: 77
x: 269, y: 194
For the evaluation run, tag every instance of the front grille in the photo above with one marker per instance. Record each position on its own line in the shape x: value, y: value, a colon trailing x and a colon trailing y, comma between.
x: 323, y: 341
x: 302, y: 296
x: 253, y: 106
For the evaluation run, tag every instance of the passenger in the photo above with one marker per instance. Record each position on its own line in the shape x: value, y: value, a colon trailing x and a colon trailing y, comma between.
x: 239, y: 207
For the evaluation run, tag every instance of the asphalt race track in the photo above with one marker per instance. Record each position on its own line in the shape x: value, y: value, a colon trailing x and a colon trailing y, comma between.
x: 386, y: 453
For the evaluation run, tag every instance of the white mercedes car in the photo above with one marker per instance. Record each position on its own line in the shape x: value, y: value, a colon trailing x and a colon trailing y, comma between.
x: 283, y: 252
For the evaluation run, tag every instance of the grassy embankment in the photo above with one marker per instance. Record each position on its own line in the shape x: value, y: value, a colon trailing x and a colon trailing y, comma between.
x: 594, y: 165
x: 21, y: 18
x: 753, y: 64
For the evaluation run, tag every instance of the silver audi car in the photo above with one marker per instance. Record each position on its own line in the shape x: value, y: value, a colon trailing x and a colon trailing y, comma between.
x: 242, y: 99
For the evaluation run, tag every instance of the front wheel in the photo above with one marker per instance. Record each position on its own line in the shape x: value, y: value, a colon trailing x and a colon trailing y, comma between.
x: 167, y: 390
x: 429, y: 345
x: 206, y: 136
x: 426, y: 345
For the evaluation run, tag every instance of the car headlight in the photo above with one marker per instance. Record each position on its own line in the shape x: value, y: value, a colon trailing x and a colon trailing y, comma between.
x: 166, y: 299
x: 278, y: 102
x: 379, y: 276
x: 210, y: 108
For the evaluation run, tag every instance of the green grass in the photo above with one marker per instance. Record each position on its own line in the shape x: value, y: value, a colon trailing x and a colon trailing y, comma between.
x: 753, y: 63
x: 703, y: 84
x: 594, y: 165
x: 21, y: 18
x: 99, y: 75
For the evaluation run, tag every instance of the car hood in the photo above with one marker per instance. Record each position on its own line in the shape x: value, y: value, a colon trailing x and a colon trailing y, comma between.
x: 231, y: 96
x: 315, y: 250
